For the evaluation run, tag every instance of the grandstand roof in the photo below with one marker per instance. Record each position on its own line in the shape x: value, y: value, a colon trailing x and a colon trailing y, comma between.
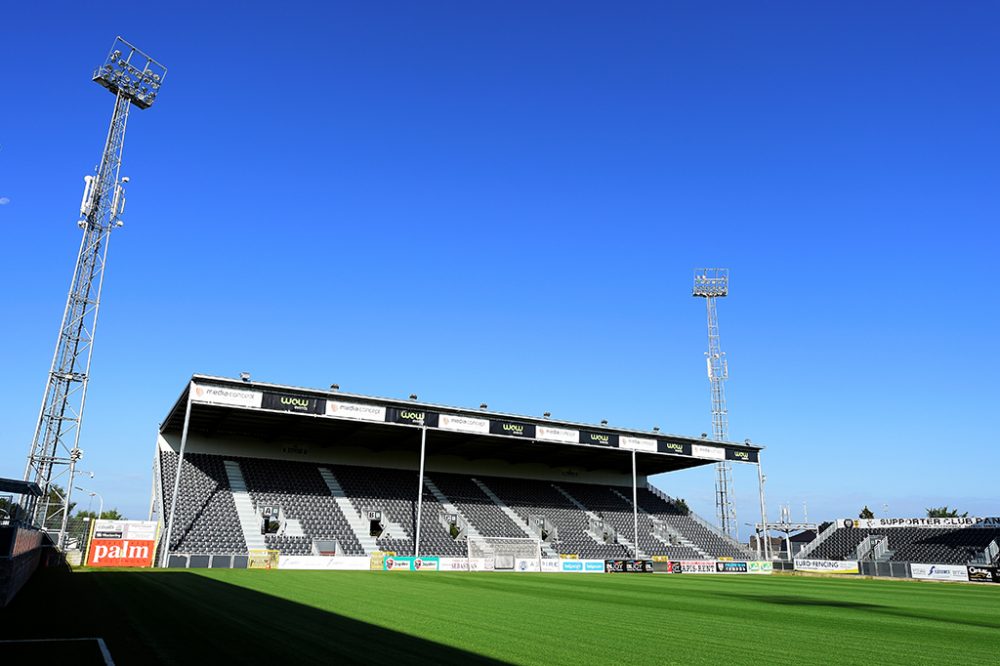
x: 20, y: 487
x: 226, y: 406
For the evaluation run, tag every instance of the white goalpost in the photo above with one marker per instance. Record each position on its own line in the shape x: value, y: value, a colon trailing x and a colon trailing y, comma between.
x: 505, y: 553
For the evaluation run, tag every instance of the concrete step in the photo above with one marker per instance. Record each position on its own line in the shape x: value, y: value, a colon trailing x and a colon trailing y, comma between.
x: 359, y: 524
x: 451, y: 508
x: 590, y: 514
x: 547, y: 550
x: 250, y: 522
x: 684, y: 541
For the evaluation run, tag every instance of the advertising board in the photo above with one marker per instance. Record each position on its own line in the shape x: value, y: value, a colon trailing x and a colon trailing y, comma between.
x: 355, y: 411
x: 223, y: 395
x: 710, y: 452
x: 760, y: 567
x: 292, y: 403
x: 957, y: 522
x: 827, y: 566
x: 983, y: 574
x: 953, y: 572
x: 552, y: 434
x: 695, y: 567
x: 628, y: 566
x: 464, y: 424
x: 317, y: 562
x: 122, y: 543
x: 396, y: 563
x: 731, y: 567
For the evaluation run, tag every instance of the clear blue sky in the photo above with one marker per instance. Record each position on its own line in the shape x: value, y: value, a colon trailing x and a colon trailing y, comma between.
x: 504, y: 202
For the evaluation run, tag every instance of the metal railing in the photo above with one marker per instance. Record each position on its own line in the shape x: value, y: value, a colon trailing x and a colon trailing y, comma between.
x: 815, y: 543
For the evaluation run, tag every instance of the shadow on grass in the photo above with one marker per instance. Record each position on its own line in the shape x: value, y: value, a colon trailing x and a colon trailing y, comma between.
x: 805, y: 601
x: 176, y: 617
x: 873, y: 608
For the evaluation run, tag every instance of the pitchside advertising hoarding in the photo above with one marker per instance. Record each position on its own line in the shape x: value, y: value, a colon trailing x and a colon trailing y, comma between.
x: 827, y: 566
x: 122, y: 543
x: 952, y: 572
x: 983, y: 574
x: 395, y: 563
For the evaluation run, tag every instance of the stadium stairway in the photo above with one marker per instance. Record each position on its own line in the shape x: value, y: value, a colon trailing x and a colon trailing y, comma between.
x: 593, y: 516
x: 249, y: 521
x: 547, y: 550
x: 446, y: 504
x: 817, y: 542
x: 358, y: 524
x: 681, y: 539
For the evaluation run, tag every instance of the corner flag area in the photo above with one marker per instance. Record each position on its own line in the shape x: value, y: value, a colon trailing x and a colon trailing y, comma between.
x: 314, y: 617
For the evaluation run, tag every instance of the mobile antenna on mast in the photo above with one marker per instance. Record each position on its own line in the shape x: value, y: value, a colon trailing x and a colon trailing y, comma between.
x: 710, y: 284
x: 133, y: 78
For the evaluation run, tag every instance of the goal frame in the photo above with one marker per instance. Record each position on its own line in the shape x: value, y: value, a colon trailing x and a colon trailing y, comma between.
x: 520, y: 548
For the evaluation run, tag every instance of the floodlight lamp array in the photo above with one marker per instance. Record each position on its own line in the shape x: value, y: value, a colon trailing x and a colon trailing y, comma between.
x: 711, y: 282
x: 130, y: 72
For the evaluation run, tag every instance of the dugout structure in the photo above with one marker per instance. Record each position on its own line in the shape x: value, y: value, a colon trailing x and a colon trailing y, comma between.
x: 239, y: 419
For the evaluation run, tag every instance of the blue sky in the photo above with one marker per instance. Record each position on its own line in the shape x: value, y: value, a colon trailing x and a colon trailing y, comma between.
x: 504, y: 202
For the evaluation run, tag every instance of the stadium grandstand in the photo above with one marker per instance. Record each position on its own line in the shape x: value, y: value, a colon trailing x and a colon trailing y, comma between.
x: 312, y: 472
x: 925, y: 540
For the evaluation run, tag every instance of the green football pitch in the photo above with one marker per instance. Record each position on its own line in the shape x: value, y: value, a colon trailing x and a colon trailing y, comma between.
x: 313, y: 617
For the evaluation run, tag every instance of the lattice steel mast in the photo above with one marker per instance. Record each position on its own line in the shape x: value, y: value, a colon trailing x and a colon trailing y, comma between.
x: 134, y: 78
x: 710, y: 284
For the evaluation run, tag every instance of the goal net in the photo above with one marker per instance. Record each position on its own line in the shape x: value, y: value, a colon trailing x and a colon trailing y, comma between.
x: 506, y: 553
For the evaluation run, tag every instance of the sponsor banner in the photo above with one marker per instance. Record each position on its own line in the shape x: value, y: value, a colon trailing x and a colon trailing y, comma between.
x: 661, y: 558
x: 760, y: 567
x: 827, y: 566
x: 413, y: 416
x: 677, y: 448
x: 983, y: 574
x: 526, y: 565
x: 396, y: 563
x: 317, y: 562
x: 355, y: 411
x: 710, y: 452
x: 731, y: 567
x: 662, y: 566
x: 140, y: 530
x: 292, y: 403
x: 593, y: 566
x: 637, y: 444
x: 464, y: 424
x: 598, y: 438
x: 628, y: 566
x: 741, y: 455
x: 571, y: 565
x: 222, y: 395
x: 551, y: 565
x: 990, y: 522
x: 464, y: 564
x: 122, y: 543
x: 940, y: 572
x: 550, y: 434
x: 695, y: 567
x: 512, y: 429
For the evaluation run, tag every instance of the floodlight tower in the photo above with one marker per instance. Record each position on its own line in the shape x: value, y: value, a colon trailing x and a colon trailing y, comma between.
x: 710, y: 284
x: 133, y: 78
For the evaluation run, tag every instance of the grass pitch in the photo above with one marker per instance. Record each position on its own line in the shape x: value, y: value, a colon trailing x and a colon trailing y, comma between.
x: 320, y: 617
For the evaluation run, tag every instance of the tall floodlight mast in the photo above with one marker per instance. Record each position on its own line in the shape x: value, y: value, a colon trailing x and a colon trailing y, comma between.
x: 135, y: 79
x: 710, y: 284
